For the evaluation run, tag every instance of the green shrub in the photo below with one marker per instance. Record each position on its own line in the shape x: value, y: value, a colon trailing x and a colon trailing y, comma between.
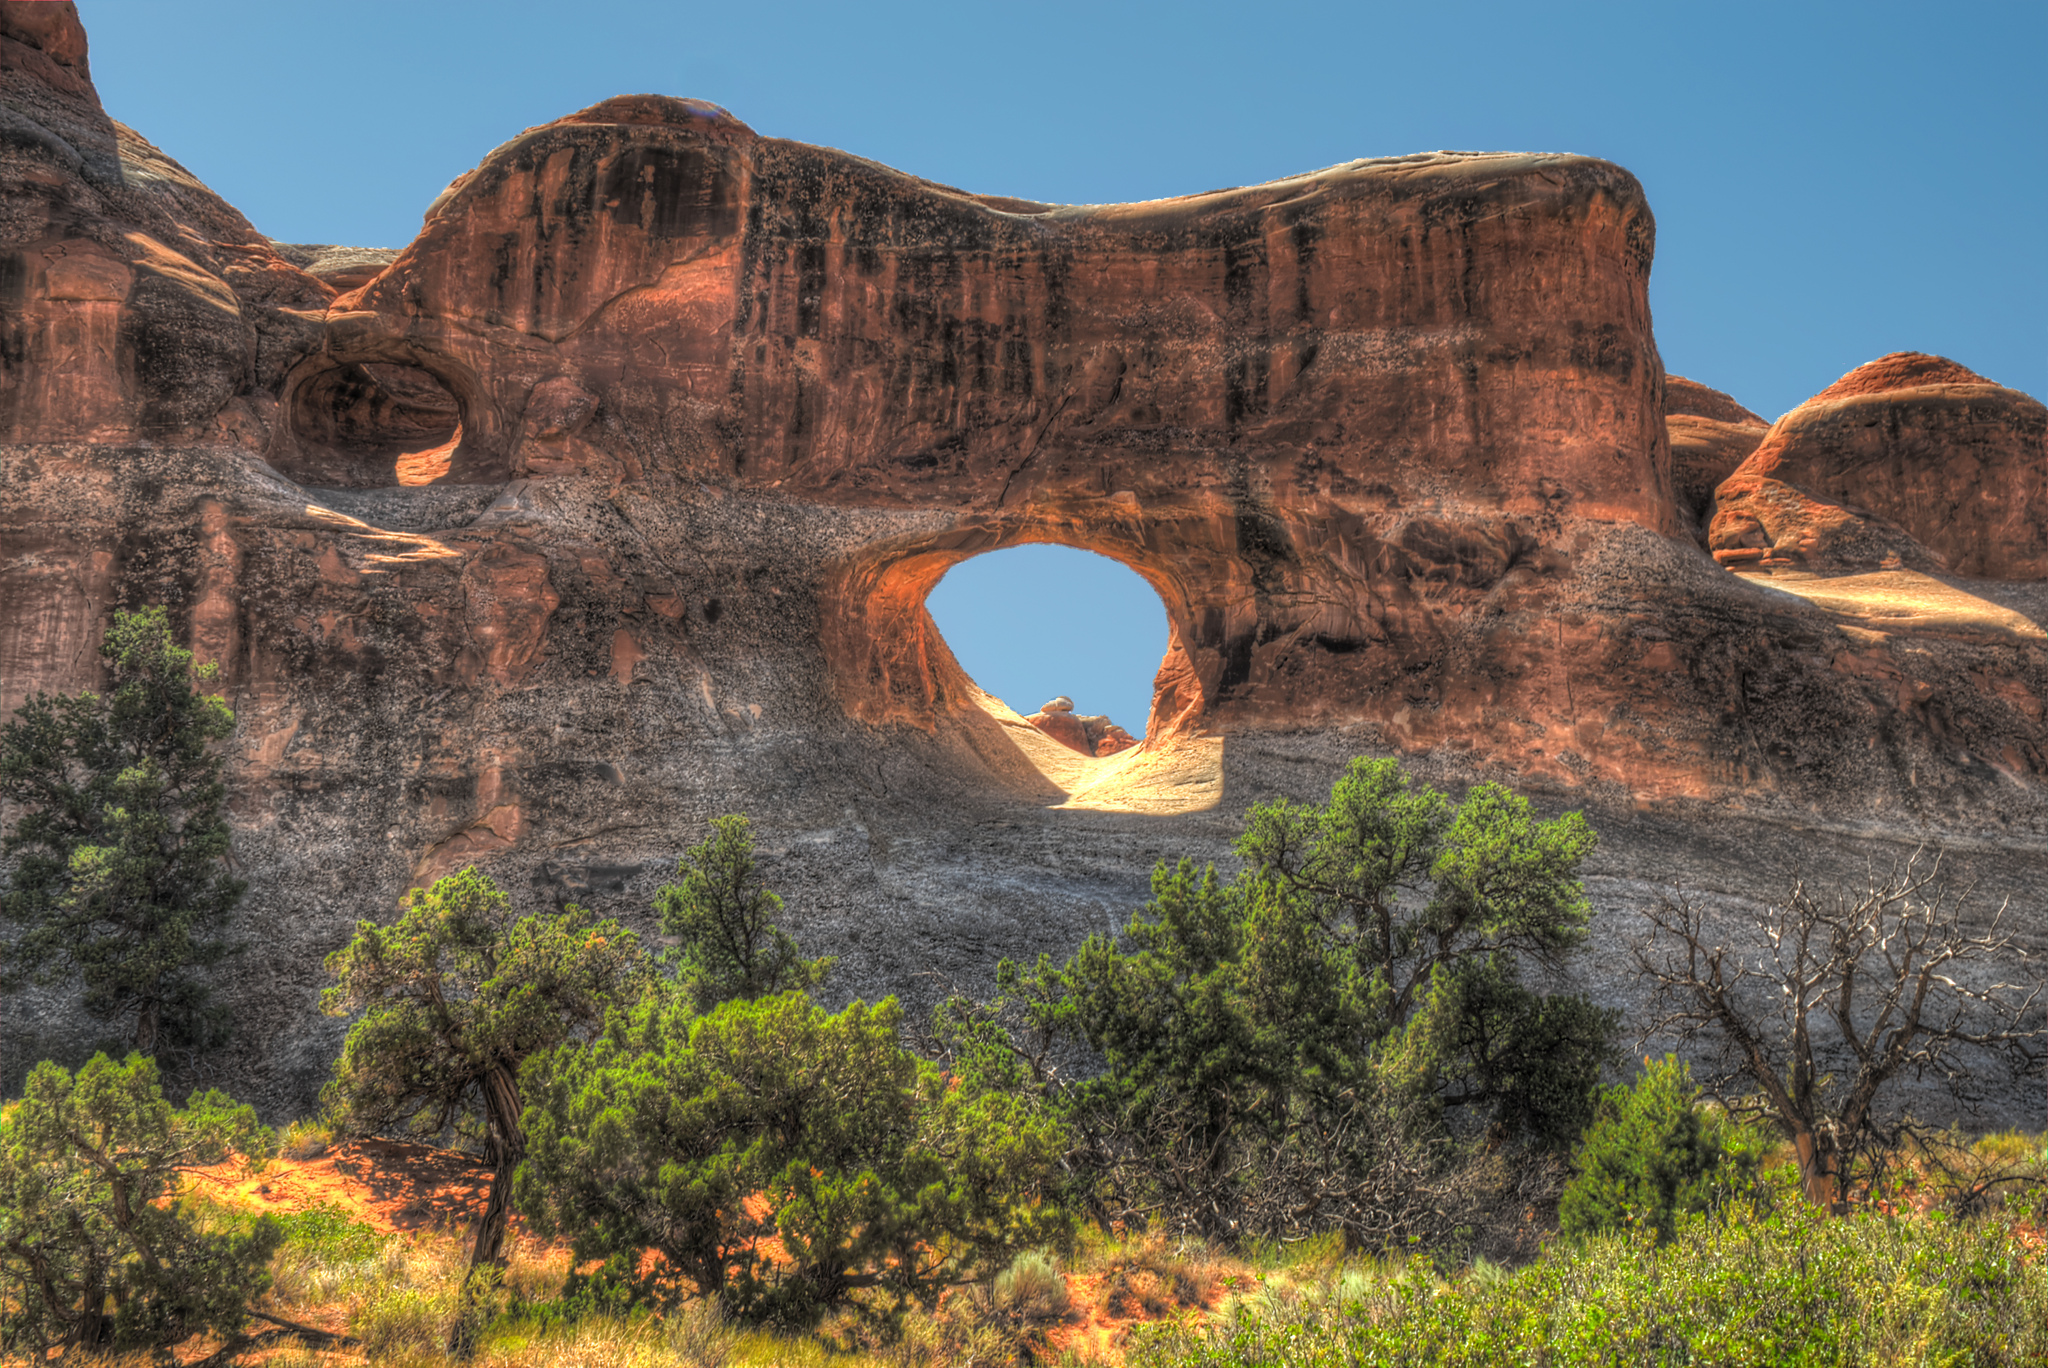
x: 704, y: 1136
x: 1737, y: 1287
x: 1650, y: 1155
x: 332, y: 1233
x: 1291, y: 1049
x: 329, y: 1256
x: 94, y: 1253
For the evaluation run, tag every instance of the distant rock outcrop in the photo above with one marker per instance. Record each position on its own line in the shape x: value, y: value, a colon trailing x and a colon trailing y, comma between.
x: 1088, y: 734
x: 1910, y: 460
x: 1711, y: 436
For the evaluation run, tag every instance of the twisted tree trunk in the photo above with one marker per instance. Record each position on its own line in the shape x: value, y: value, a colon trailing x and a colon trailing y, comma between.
x: 508, y: 1139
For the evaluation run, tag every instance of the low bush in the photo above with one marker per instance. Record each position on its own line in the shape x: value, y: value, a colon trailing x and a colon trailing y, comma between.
x: 1651, y: 1155
x: 1967, y: 1176
x: 1738, y: 1286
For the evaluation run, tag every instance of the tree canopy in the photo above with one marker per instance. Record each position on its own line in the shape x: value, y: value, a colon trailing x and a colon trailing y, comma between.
x: 779, y: 1156
x: 1359, y: 976
x: 122, y: 875
x: 453, y: 998
x: 720, y: 912
x: 88, y: 1165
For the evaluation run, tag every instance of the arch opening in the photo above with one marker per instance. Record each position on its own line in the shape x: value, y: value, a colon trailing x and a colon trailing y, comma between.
x: 376, y: 424
x: 892, y: 663
x: 1069, y: 639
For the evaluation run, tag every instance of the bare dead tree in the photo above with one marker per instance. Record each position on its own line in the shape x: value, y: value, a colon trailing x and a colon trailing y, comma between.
x: 1839, y: 995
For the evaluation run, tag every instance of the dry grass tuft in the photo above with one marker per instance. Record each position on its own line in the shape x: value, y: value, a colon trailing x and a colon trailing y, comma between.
x: 1147, y: 1277
x: 1032, y: 1290
x: 304, y: 1140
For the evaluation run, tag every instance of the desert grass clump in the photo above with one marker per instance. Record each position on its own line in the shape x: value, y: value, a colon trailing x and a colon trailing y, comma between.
x: 535, y: 1273
x: 331, y: 1261
x: 406, y: 1321
x: 306, y: 1139
x: 1149, y: 1276
x: 396, y: 1294
x: 966, y: 1330
x: 1032, y: 1289
x: 694, y: 1336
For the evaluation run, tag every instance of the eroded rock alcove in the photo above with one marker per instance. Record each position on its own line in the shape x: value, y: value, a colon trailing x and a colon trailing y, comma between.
x: 369, y: 424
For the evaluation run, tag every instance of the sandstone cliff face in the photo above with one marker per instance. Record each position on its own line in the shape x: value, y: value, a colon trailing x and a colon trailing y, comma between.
x: 1711, y: 436
x: 611, y: 503
x: 1279, y: 404
x: 1911, y: 459
x: 138, y: 302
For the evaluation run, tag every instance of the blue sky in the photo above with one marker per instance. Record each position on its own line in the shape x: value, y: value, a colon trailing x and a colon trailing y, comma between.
x: 1033, y: 622
x: 1831, y: 181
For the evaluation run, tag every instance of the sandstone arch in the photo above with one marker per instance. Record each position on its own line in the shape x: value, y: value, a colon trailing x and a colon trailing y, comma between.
x: 1389, y: 437
x: 891, y: 664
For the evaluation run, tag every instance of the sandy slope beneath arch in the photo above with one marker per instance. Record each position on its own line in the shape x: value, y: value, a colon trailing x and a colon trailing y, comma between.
x: 1180, y: 774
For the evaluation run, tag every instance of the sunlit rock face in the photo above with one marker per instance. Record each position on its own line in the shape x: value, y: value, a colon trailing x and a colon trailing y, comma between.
x: 1910, y: 459
x: 1084, y: 733
x: 1711, y: 435
x: 610, y: 504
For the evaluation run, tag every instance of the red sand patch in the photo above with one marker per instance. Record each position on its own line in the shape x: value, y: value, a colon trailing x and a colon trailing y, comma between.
x: 1100, y: 1333
x: 387, y: 1184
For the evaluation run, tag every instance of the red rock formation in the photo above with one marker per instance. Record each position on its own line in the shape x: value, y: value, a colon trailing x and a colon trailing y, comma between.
x: 1111, y: 739
x: 802, y: 319
x: 611, y: 503
x: 1711, y: 435
x: 1685, y: 398
x: 140, y: 304
x: 1090, y: 734
x: 1065, y: 727
x: 1910, y: 459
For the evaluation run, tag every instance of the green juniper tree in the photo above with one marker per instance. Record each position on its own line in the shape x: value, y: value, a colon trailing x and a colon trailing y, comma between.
x: 707, y: 1137
x: 1279, y: 1048
x: 93, y: 1254
x: 1651, y: 1156
x: 450, y: 1001
x: 725, y: 1110
x: 720, y: 913
x: 122, y: 874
